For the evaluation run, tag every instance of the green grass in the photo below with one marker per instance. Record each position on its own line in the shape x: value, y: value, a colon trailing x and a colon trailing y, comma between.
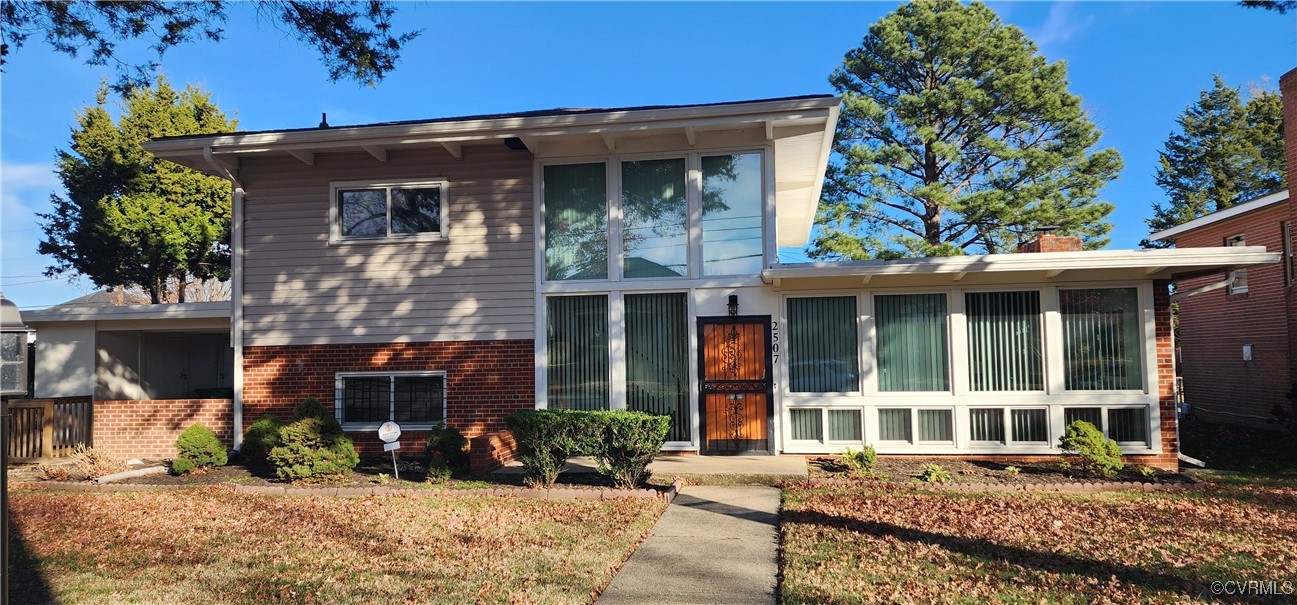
x: 214, y: 545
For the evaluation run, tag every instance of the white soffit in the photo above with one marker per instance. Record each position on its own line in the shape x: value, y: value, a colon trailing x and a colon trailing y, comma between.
x: 1219, y: 216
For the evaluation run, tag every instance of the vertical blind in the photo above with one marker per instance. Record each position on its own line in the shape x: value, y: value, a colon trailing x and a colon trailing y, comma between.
x: 987, y: 424
x: 1101, y: 338
x: 1030, y: 425
x: 1091, y: 415
x: 894, y: 424
x: 822, y: 345
x: 1128, y: 425
x: 657, y: 358
x: 936, y: 425
x: 576, y: 221
x: 912, y: 346
x: 844, y: 425
x: 654, y: 213
x: 807, y: 424
x: 577, y: 337
x: 1004, y: 344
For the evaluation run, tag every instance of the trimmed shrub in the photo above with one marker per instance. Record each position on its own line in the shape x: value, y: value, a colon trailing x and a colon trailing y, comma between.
x: 450, y: 445
x: 199, y: 449
x: 261, y: 437
x: 862, y: 461
x: 1089, y: 450
x: 438, y: 470
x: 625, y: 442
x: 313, y: 449
x: 547, y: 438
x: 310, y: 408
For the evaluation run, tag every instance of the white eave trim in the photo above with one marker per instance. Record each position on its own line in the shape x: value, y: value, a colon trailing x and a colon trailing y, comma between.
x: 1045, y: 262
x: 197, y: 310
x: 1222, y: 215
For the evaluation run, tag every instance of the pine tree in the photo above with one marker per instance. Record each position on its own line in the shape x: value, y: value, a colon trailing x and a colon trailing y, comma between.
x: 1226, y: 150
x: 956, y: 135
x: 129, y: 219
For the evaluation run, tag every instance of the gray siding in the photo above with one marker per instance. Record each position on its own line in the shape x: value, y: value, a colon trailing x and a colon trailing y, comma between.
x: 477, y: 284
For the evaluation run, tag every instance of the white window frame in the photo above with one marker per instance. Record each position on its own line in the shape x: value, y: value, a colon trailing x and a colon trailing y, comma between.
x: 335, y: 226
x: 1061, y: 372
x: 1237, y: 275
x: 338, y: 404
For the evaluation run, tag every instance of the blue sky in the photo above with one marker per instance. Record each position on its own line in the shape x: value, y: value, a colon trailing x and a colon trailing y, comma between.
x: 1136, y: 66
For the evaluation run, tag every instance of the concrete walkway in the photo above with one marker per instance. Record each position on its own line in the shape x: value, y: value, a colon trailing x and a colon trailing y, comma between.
x: 712, y: 545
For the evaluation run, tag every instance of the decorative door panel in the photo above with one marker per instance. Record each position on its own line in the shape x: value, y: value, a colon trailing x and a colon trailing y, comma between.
x: 735, y: 383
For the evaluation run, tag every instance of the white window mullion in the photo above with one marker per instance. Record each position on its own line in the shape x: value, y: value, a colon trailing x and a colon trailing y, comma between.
x: 868, y: 345
x: 959, y: 383
x: 391, y: 398
x: 616, y: 351
x: 1055, y: 381
x: 616, y: 253
x: 694, y: 215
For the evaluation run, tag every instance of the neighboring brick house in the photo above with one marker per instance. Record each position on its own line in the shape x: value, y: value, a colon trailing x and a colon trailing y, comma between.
x: 1238, y: 331
x: 454, y: 270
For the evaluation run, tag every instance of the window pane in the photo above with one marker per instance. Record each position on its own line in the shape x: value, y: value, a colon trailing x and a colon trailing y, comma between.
x: 894, y: 425
x: 366, y: 399
x: 1004, y: 352
x: 822, y: 345
x: 1091, y: 415
x: 576, y: 221
x: 844, y: 425
x: 1101, y: 338
x: 936, y: 425
x: 653, y: 218
x: 807, y: 424
x: 657, y: 358
x: 732, y: 232
x: 1128, y: 425
x: 1030, y: 425
x: 988, y: 424
x: 912, y: 349
x: 363, y: 212
x: 577, y: 333
x: 416, y: 210
x: 419, y: 399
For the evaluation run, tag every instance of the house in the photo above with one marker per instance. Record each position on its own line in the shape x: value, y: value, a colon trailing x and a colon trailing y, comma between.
x: 1238, y: 332
x: 456, y: 270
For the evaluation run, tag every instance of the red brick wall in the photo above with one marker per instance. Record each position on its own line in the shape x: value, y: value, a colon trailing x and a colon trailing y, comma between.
x: 491, y: 451
x: 1215, y: 325
x: 1288, y: 88
x: 485, y: 380
x: 1169, y: 458
x: 148, y: 429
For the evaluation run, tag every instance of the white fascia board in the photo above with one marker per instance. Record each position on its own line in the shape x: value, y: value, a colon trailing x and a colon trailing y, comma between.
x: 826, y: 148
x: 1172, y: 258
x: 1222, y: 215
x: 499, y: 128
x: 197, y: 310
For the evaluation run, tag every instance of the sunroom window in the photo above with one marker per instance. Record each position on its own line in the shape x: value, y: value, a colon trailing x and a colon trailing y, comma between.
x: 732, y: 203
x: 807, y: 424
x: 1101, y: 339
x: 392, y: 211
x: 912, y: 346
x: 1004, y: 341
x: 374, y: 398
x: 657, y: 358
x: 576, y: 221
x: 823, y: 346
x: 577, y: 345
x: 654, y: 215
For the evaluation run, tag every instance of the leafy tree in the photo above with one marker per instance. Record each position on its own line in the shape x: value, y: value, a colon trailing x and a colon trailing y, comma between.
x: 129, y: 219
x: 1226, y: 150
x: 354, y: 39
x: 1279, y: 6
x: 955, y: 135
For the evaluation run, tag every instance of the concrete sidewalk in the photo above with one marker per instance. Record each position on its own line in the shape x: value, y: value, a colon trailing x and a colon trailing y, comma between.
x: 712, y: 545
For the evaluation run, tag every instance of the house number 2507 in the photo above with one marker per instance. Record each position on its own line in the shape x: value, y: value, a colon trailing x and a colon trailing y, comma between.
x: 774, y: 340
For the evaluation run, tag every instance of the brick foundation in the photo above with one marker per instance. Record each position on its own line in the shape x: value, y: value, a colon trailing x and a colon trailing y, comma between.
x: 485, y: 381
x: 149, y: 428
x: 491, y: 451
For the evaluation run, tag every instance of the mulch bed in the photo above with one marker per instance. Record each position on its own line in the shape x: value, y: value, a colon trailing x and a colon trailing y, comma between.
x: 963, y: 472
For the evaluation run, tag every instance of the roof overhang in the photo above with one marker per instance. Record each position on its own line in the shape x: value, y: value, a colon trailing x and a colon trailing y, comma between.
x: 799, y: 129
x: 1044, y: 267
x: 1222, y: 215
x: 176, y: 311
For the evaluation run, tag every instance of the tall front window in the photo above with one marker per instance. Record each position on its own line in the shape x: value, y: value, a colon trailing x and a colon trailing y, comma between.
x: 822, y: 345
x: 657, y: 358
x: 912, y: 349
x: 732, y: 203
x: 577, y: 342
x: 654, y: 216
x: 576, y: 221
x: 1004, y: 341
x: 1101, y: 339
x: 389, y: 211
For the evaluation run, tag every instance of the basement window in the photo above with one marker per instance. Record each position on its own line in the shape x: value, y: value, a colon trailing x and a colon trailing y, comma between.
x: 367, y: 211
x: 365, y: 400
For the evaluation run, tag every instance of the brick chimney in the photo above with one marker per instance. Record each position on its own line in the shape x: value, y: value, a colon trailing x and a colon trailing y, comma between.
x: 1048, y: 242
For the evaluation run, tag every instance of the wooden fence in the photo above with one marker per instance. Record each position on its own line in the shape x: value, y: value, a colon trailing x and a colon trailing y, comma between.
x: 45, y: 429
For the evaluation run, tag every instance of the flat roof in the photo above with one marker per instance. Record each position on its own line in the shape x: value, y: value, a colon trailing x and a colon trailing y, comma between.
x: 192, y: 310
x: 1220, y: 215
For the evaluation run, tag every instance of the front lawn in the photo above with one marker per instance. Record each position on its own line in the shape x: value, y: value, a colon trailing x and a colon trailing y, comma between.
x: 885, y: 543
x: 212, y: 545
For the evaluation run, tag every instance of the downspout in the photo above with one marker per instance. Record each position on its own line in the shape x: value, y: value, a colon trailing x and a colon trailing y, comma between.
x: 236, y: 288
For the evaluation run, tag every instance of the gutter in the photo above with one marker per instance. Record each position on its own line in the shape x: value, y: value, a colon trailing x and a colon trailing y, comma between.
x: 236, y: 288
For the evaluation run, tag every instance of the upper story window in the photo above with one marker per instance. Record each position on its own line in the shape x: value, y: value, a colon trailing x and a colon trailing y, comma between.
x: 1238, y: 277
x: 654, y: 218
x: 376, y: 211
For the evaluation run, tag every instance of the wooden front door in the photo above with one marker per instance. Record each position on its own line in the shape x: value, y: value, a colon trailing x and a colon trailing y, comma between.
x: 736, y: 384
